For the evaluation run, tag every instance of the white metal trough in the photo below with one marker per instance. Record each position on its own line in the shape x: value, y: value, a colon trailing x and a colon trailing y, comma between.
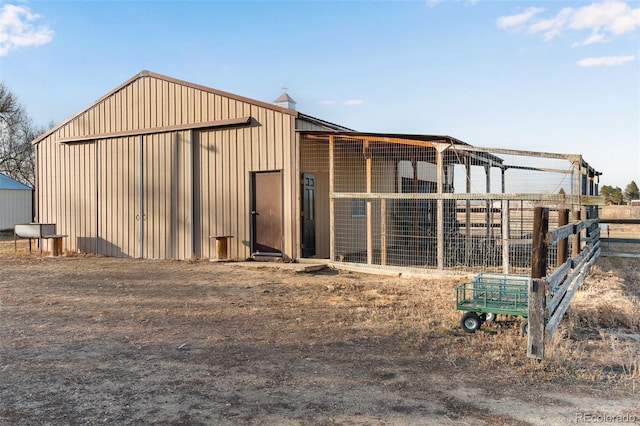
x: 38, y: 231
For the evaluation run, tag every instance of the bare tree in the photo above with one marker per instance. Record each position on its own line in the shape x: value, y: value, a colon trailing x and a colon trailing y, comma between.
x: 17, y: 130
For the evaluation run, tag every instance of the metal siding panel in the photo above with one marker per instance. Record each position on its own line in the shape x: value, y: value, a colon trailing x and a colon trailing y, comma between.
x: 211, y: 183
x: 279, y: 142
x: 92, y: 202
x: 57, y: 193
x: 254, y: 143
x: 232, y: 188
x: 77, y: 197
x: 266, y: 142
x: 74, y: 214
x: 133, y: 105
x: 261, y: 142
x: 152, y: 203
x: 218, y: 151
x: 160, y: 191
x: 147, y: 195
x: 244, y: 234
x: 101, y: 207
x: 165, y: 119
x: 181, y: 198
x: 63, y: 182
x: 167, y: 181
x: 152, y: 94
x: 100, y: 118
x: 133, y: 198
x: 225, y: 108
x: 217, y: 108
x: 186, y: 203
x: 197, y: 194
x: 182, y: 105
x: 229, y: 184
x: 144, y: 105
x: 204, y: 180
x: 116, y: 108
x: 176, y: 96
x: 242, y: 209
x: 15, y: 207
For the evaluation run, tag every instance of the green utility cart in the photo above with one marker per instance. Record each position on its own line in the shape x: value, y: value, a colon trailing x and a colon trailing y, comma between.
x: 489, y: 295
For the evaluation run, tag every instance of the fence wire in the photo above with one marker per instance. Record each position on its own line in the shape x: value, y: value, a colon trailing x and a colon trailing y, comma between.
x: 387, y: 210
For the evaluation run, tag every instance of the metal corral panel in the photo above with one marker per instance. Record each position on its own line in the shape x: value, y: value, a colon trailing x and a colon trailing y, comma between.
x: 157, y: 166
x: 15, y: 207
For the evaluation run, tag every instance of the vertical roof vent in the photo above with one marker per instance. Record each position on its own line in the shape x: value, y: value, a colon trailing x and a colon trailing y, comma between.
x: 285, y: 101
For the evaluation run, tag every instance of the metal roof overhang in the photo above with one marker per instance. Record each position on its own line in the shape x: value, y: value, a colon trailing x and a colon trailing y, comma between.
x: 382, y: 144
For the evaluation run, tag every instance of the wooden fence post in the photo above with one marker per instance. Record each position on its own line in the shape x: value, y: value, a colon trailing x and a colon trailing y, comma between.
x: 538, y: 285
x: 575, y: 244
x: 539, y: 248
x: 563, y: 219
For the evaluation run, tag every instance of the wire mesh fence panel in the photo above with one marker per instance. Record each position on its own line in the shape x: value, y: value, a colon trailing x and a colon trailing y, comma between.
x: 427, y: 205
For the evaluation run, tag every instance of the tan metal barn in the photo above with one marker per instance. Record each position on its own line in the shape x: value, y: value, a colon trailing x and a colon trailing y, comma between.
x: 160, y: 168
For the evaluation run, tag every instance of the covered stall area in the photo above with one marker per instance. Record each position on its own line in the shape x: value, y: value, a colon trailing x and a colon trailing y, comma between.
x: 430, y: 201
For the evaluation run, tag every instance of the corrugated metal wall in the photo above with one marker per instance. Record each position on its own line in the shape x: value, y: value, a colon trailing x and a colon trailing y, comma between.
x: 224, y: 160
x: 15, y: 207
x: 98, y: 190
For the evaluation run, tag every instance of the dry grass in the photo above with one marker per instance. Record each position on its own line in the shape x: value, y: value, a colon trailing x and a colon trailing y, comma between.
x: 90, y: 339
x: 599, y: 339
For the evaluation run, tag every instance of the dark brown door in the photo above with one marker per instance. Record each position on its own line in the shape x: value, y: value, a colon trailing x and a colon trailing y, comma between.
x: 308, y: 215
x: 266, y: 213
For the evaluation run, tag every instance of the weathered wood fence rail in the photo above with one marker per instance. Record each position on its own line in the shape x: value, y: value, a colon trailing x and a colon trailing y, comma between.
x: 550, y: 294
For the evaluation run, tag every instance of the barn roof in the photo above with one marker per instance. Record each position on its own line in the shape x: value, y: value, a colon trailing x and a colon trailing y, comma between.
x: 7, y: 183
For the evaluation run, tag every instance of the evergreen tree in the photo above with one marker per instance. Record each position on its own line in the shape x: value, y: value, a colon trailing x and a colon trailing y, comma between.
x: 617, y: 197
x: 606, y: 191
x: 631, y: 192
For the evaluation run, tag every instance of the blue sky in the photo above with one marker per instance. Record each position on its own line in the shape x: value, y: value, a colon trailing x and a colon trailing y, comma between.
x: 535, y: 75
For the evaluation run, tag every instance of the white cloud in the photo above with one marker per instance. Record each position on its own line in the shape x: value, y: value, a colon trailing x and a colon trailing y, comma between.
x: 612, y: 16
x: 606, y: 61
x: 552, y: 27
x: 605, y: 20
x: 519, y: 19
x: 17, y: 29
x: 593, y: 38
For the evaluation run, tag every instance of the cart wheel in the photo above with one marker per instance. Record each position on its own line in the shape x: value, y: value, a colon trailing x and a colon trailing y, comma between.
x: 470, y: 322
x: 524, y: 327
x: 490, y: 317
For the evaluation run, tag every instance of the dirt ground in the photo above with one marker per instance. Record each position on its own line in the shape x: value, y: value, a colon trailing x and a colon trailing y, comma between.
x: 89, y: 340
